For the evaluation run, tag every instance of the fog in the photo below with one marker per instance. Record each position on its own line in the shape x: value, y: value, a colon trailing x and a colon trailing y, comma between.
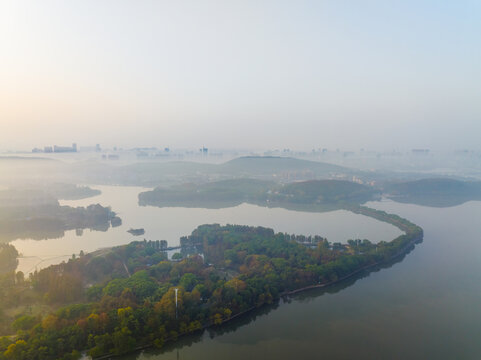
x: 312, y: 167
x: 241, y: 74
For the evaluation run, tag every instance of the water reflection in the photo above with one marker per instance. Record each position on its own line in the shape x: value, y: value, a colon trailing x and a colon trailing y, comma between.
x: 423, y: 306
x: 173, y: 349
x: 172, y: 223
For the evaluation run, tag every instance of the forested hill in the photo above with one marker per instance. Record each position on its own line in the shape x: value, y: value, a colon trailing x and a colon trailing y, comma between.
x: 226, y: 193
x: 436, y: 192
x: 267, y: 165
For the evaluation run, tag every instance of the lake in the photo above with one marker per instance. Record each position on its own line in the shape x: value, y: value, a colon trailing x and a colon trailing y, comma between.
x: 170, y: 223
x: 427, y: 306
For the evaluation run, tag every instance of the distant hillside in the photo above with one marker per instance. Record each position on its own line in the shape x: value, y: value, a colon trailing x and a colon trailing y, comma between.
x: 227, y: 193
x: 271, y: 165
x: 325, y: 191
x: 265, y: 168
x: 213, y: 194
x: 435, y: 192
x: 154, y: 173
x: 60, y: 191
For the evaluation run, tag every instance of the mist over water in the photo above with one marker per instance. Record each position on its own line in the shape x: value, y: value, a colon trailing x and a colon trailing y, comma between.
x: 343, y: 119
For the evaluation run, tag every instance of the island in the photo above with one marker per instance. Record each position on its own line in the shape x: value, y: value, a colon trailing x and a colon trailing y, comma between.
x: 136, y: 232
x: 125, y: 298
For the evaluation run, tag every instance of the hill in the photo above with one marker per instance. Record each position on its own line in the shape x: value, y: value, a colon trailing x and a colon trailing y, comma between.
x: 268, y: 165
x: 224, y: 193
x: 227, y: 193
x: 260, y: 167
x: 435, y: 192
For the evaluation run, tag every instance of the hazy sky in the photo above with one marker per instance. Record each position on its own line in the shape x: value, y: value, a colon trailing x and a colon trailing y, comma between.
x: 237, y: 74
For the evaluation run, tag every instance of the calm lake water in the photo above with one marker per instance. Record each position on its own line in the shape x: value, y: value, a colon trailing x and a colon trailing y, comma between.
x: 427, y: 306
x: 171, y: 223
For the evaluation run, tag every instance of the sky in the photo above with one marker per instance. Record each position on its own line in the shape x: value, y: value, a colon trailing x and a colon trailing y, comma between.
x: 241, y: 74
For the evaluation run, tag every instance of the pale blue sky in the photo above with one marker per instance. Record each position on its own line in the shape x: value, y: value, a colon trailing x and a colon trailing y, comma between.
x: 261, y: 74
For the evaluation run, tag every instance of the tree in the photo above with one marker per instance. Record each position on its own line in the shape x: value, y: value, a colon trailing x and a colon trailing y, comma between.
x: 188, y: 281
x: 20, y: 277
x: 177, y: 256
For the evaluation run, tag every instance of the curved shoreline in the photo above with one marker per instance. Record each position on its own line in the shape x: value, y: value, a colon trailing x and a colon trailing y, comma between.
x: 367, y: 267
x: 395, y: 220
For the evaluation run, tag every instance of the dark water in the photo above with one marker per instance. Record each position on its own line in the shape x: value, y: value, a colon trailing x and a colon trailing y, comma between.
x: 427, y: 306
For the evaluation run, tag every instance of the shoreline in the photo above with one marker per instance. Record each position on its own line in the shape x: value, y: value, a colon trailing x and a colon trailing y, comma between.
x: 417, y: 237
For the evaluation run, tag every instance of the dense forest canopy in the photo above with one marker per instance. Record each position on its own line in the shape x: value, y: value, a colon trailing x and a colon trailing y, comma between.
x: 116, y: 300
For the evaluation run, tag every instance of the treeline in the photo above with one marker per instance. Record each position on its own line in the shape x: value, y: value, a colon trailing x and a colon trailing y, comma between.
x: 70, y: 191
x: 242, y: 267
x: 393, y: 219
x: 233, y: 192
x: 36, y: 214
x: 67, y: 282
x: 324, y: 191
x: 224, y: 192
x: 61, y: 191
x: 8, y: 258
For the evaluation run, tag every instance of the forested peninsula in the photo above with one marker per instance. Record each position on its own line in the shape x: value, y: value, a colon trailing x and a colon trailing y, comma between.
x: 37, y: 214
x: 118, y: 300
x: 225, y: 193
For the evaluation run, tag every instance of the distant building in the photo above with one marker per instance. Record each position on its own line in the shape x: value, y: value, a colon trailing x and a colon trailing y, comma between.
x: 64, y: 149
x: 48, y: 149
